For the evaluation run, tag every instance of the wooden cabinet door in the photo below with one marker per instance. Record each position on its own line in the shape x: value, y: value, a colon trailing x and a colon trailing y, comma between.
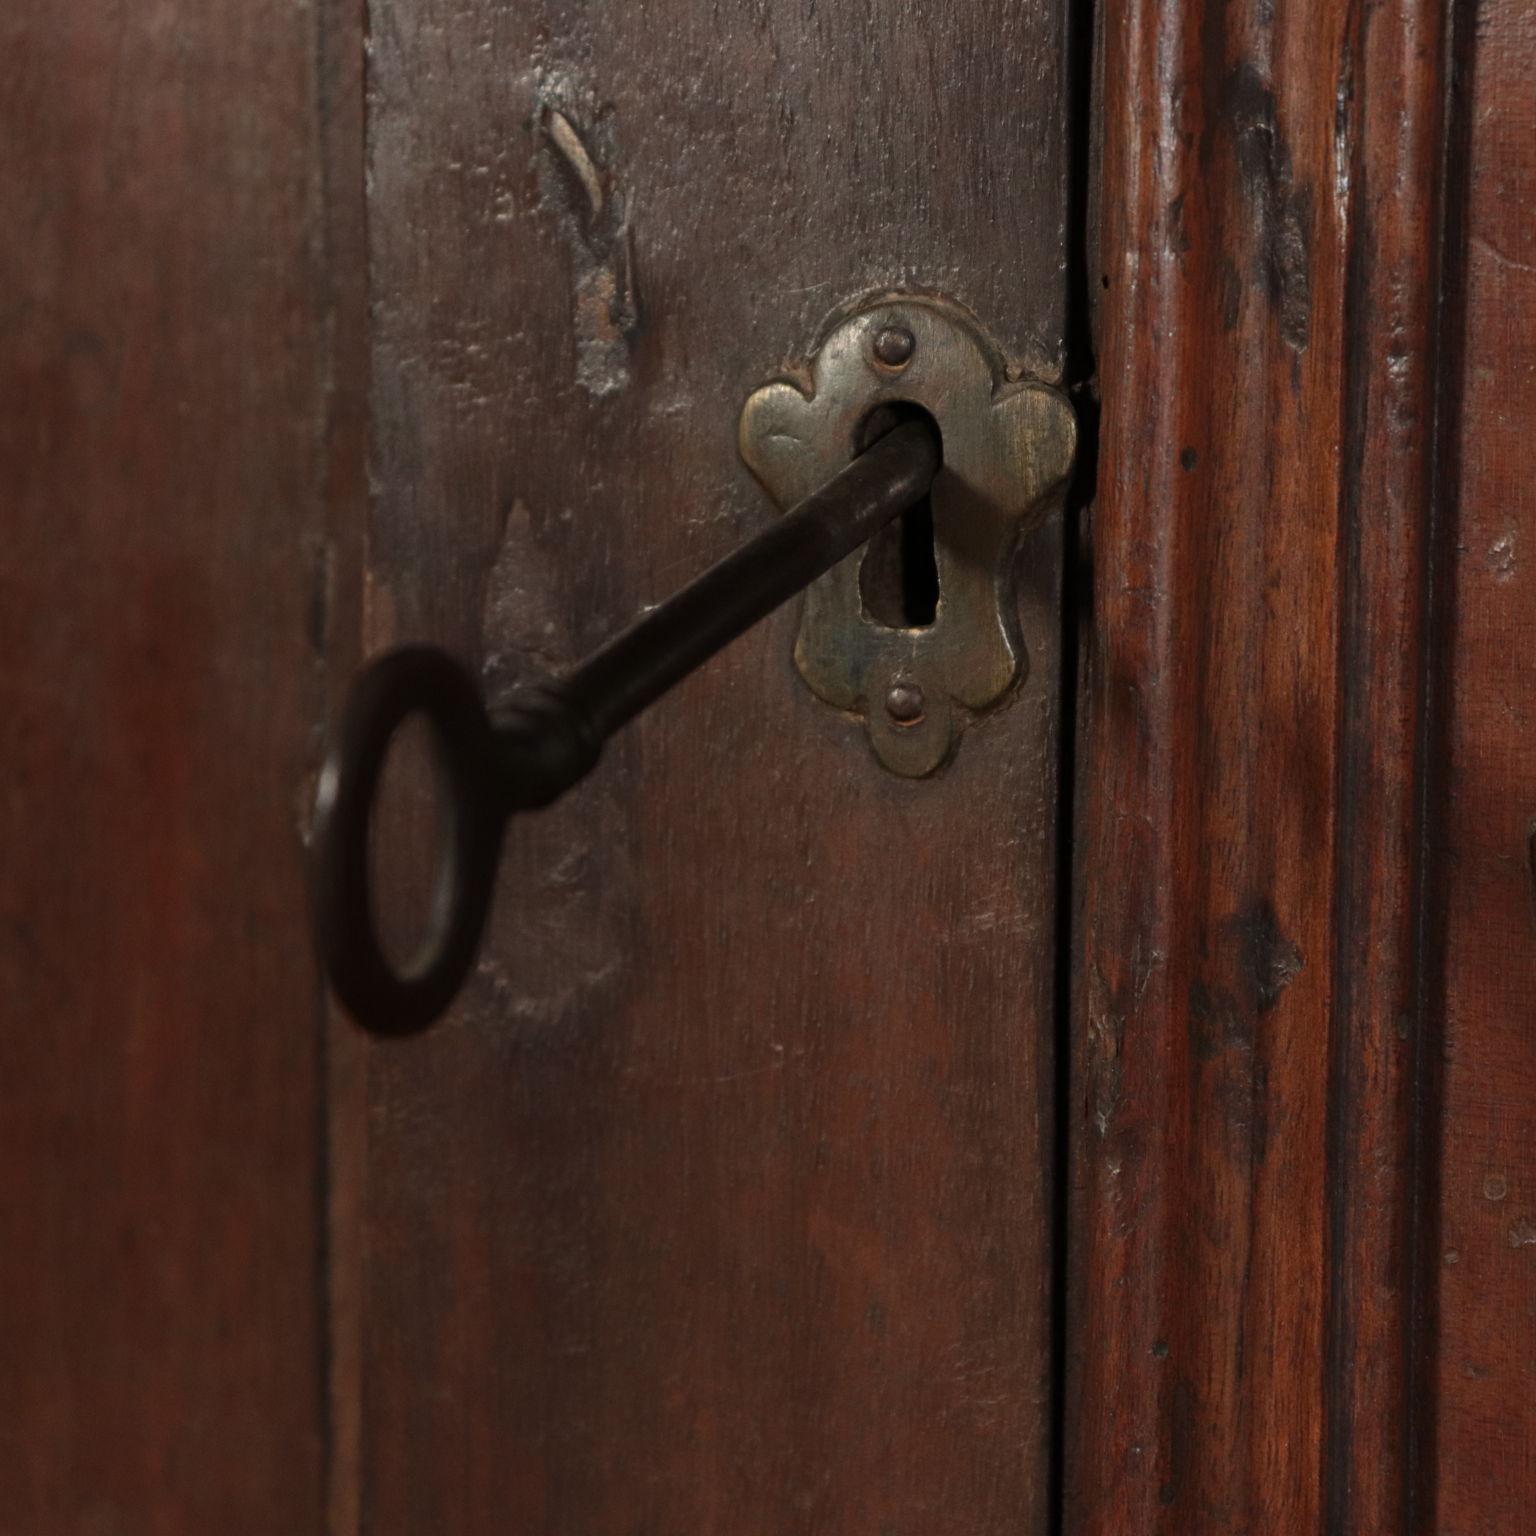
x: 180, y: 457
x: 1125, y: 1129
x: 1300, y: 1294
x: 723, y: 1200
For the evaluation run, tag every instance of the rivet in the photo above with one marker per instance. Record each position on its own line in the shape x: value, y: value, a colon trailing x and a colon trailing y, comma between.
x: 893, y: 346
x: 904, y: 703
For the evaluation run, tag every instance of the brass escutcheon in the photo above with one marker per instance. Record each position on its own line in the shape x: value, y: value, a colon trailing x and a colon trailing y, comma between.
x: 1009, y: 444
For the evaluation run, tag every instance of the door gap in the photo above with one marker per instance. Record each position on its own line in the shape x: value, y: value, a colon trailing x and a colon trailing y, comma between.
x: 1080, y: 376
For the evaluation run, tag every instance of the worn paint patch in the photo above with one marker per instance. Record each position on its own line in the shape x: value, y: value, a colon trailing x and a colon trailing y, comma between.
x: 1281, y: 207
x: 525, y: 633
x: 1253, y: 963
x: 1270, y: 961
x: 580, y: 188
x: 1500, y: 561
x: 563, y: 945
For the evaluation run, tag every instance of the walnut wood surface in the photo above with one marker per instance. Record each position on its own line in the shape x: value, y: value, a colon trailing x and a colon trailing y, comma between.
x: 1482, y: 1257
x: 1205, y: 866
x: 721, y: 1204
x: 724, y: 1201
x: 173, y: 478
x: 1302, y: 864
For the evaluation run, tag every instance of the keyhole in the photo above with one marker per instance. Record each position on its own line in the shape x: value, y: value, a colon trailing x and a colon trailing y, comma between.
x: 899, y: 575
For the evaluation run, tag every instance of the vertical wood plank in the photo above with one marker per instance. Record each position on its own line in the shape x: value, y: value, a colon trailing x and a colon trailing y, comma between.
x: 1483, y: 1265
x: 1249, y: 1024
x: 722, y: 1201
x: 171, y: 474
x: 1383, y: 1033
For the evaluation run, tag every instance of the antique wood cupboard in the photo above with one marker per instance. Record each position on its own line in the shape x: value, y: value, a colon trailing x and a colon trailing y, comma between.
x: 1128, y: 1127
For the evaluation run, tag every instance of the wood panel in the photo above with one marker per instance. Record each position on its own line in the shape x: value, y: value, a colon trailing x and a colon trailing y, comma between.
x: 174, y: 465
x: 1483, y: 1260
x: 1250, y: 1020
x: 721, y: 1203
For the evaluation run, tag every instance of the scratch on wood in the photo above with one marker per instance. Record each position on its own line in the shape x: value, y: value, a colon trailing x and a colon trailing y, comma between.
x: 568, y: 142
x: 593, y: 215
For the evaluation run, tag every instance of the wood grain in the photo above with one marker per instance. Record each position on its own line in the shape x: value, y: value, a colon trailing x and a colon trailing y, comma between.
x: 724, y: 1202
x: 1482, y: 1374
x: 173, y: 464
x: 721, y: 1204
x: 1250, y: 1020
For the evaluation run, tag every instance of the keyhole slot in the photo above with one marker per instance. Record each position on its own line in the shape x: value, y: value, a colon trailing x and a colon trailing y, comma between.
x: 899, y: 575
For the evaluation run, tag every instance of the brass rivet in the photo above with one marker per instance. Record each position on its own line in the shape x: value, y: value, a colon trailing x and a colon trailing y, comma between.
x: 893, y: 346
x: 905, y: 703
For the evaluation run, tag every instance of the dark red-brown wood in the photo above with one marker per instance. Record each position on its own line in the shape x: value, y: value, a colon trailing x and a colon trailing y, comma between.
x: 1481, y: 1374
x: 176, y: 428
x: 722, y: 1202
x: 1251, y: 1019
